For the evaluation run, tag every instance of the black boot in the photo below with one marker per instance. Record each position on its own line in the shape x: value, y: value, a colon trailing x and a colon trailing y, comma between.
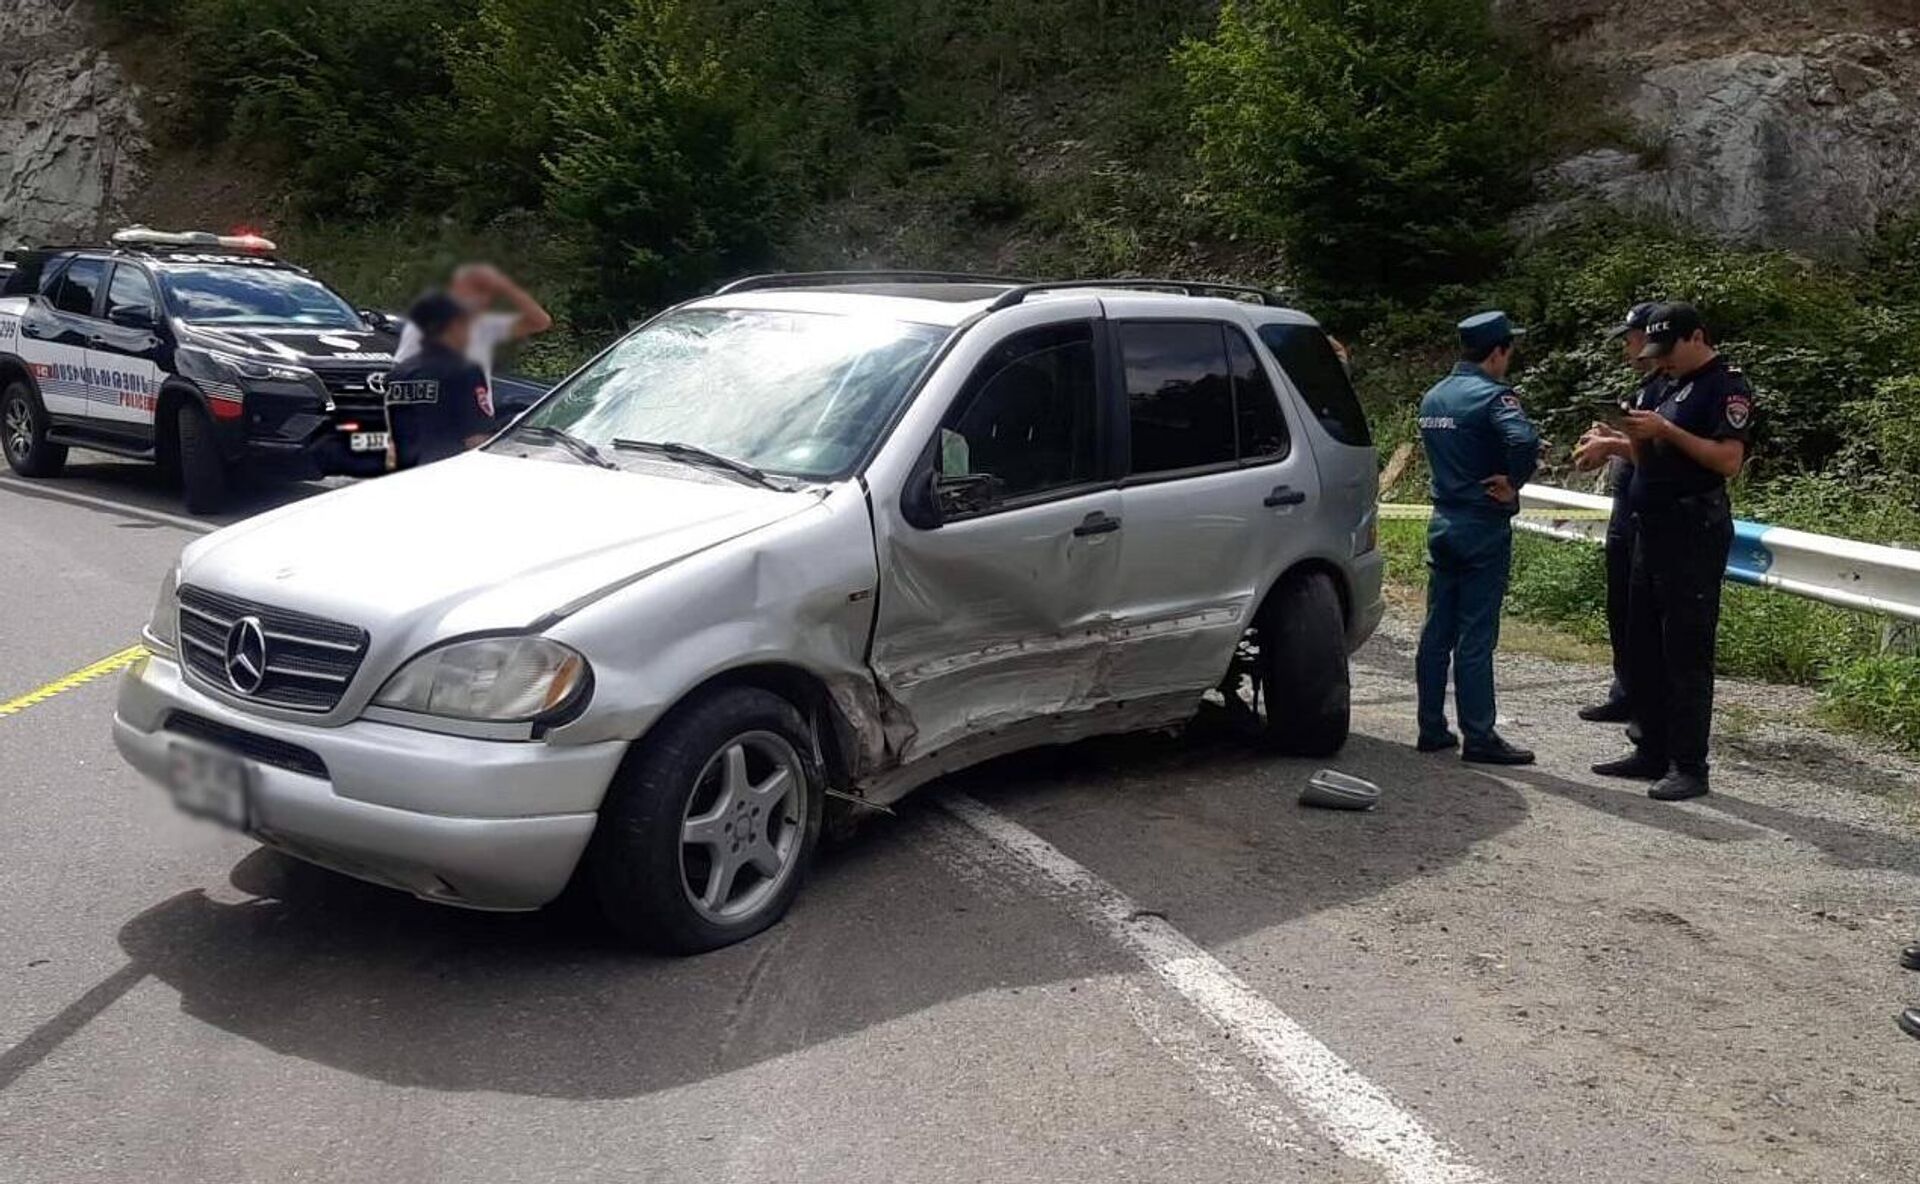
x: 1495, y: 751
x: 1678, y: 786
x: 1910, y: 1022
x: 1910, y: 957
x: 1613, y: 711
x: 1638, y: 766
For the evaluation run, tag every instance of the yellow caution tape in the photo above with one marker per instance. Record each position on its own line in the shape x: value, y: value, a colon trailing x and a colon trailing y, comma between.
x: 78, y: 678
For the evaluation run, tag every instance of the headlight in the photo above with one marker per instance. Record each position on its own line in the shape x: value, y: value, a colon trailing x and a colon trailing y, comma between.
x: 163, y: 628
x: 215, y: 363
x: 255, y: 369
x: 493, y: 679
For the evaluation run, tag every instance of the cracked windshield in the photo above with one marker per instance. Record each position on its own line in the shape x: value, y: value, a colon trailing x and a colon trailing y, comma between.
x: 799, y: 394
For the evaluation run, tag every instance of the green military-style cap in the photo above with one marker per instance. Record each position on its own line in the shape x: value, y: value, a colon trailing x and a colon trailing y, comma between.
x: 1487, y: 330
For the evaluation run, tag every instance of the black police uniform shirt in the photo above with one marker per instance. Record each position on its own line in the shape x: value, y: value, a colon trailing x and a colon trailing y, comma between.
x: 1714, y: 403
x: 436, y: 401
x: 1650, y: 394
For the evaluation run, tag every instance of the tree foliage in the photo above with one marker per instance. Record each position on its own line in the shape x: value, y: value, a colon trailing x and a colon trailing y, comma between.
x: 1381, y: 142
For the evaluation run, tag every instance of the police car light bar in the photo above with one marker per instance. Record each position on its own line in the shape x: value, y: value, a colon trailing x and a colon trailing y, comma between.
x: 141, y: 236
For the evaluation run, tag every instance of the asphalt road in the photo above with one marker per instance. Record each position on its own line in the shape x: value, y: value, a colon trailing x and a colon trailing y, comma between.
x: 1132, y: 960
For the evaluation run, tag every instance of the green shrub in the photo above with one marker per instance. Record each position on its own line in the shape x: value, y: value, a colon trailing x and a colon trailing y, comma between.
x: 1381, y: 143
x: 659, y: 171
x: 1559, y: 583
x: 1880, y: 696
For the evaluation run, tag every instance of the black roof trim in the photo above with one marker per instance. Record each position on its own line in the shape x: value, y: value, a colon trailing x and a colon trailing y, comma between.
x: 1181, y: 287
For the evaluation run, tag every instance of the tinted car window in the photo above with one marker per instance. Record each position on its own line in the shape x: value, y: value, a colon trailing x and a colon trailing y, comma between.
x: 78, y: 285
x: 1256, y: 408
x: 1304, y: 353
x: 1027, y: 416
x: 1179, y: 395
x: 130, y: 289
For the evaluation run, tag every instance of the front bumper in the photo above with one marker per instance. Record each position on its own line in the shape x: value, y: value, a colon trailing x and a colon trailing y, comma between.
x: 510, y: 826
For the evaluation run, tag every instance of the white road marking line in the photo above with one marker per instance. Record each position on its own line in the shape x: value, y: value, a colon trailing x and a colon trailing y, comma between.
x: 1356, y: 1115
x: 40, y: 489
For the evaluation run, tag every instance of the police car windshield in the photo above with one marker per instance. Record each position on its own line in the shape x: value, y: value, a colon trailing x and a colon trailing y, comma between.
x: 241, y: 294
x: 799, y: 394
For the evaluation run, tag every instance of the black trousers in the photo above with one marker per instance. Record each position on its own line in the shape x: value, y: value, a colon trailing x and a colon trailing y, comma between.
x: 1619, y: 583
x: 1679, y: 563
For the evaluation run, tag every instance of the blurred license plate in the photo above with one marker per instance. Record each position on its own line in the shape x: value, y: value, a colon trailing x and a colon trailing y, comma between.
x: 208, y: 784
x: 367, y: 442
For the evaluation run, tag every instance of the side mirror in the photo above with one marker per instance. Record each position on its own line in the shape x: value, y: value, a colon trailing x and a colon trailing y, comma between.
x: 956, y: 497
x: 133, y: 317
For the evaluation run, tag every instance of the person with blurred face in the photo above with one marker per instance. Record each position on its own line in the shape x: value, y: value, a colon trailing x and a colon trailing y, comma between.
x: 1604, y: 445
x: 439, y: 403
x: 481, y: 289
x: 1684, y: 451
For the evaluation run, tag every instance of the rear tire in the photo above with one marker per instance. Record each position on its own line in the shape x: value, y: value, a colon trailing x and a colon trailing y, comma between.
x: 23, y: 434
x: 711, y: 824
x: 1303, y: 667
x: 205, y: 482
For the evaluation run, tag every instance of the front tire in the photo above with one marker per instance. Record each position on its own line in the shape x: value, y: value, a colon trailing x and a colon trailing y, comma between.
x: 205, y: 483
x: 711, y: 824
x: 23, y: 434
x: 1303, y: 667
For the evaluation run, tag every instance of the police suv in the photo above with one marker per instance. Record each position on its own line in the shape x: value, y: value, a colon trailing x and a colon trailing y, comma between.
x: 201, y: 352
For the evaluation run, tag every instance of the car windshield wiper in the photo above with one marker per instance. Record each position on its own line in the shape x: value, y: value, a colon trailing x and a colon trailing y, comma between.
x: 565, y: 439
x: 700, y: 456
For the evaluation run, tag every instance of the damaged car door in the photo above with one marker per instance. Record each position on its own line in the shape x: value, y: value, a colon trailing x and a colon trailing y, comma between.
x: 999, y: 568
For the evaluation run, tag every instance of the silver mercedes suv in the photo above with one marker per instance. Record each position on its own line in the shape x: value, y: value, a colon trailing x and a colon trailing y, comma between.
x: 811, y: 540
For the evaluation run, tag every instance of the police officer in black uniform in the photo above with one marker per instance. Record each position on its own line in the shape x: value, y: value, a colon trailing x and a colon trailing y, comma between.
x: 1604, y: 445
x: 438, y: 401
x: 1684, y: 452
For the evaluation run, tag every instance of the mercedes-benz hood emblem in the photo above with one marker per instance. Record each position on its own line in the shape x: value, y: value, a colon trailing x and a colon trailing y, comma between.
x: 246, y: 656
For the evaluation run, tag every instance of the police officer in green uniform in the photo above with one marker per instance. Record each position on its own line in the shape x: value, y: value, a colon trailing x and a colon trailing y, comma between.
x: 1684, y: 452
x: 1481, y: 449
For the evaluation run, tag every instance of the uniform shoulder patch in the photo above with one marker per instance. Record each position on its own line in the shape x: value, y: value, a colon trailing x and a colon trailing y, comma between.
x: 1739, y: 412
x: 1510, y: 401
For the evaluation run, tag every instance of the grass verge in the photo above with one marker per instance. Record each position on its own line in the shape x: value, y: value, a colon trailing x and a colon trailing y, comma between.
x: 1556, y: 608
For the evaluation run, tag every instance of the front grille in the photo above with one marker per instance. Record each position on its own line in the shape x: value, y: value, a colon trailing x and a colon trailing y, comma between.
x: 310, y: 660
x: 349, y: 389
x: 264, y: 749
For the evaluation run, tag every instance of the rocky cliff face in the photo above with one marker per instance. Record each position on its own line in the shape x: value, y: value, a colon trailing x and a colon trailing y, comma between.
x: 70, y: 132
x: 1769, y: 122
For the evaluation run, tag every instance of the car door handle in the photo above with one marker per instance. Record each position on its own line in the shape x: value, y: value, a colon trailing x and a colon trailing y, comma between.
x: 32, y: 329
x: 1096, y: 523
x: 1285, y: 495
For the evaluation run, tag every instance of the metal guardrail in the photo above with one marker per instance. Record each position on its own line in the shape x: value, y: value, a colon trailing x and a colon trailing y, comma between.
x: 1837, y: 571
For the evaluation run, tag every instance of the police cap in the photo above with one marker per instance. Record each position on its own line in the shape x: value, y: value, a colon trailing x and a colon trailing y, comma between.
x: 1668, y: 326
x: 1637, y: 318
x: 1488, y: 330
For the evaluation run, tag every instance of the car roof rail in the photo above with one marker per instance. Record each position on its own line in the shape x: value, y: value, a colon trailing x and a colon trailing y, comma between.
x: 818, y: 279
x: 1243, y: 292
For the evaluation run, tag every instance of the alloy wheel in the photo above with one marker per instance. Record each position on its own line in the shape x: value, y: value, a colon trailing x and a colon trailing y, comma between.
x: 19, y: 429
x: 743, y: 831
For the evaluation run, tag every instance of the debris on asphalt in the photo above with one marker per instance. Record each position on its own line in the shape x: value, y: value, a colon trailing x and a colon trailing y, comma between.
x: 1332, y: 790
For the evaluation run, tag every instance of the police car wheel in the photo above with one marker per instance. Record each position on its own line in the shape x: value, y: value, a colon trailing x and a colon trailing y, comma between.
x: 204, y: 479
x: 1303, y: 667
x: 710, y: 825
x: 23, y: 434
